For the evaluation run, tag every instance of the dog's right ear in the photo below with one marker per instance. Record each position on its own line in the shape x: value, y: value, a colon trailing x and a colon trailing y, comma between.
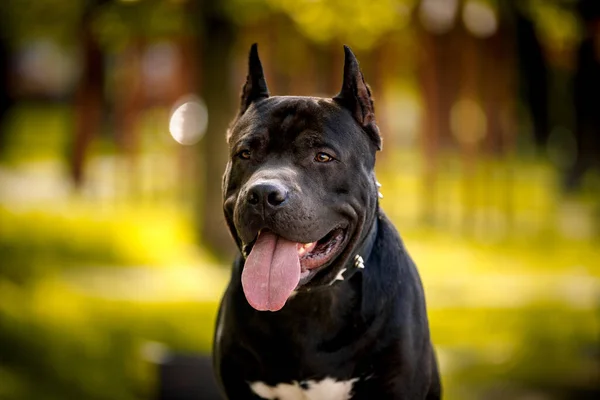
x: 356, y: 97
x: 255, y: 87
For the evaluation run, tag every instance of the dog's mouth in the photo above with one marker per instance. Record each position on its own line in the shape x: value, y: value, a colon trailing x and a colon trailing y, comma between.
x: 315, y: 254
x: 276, y: 266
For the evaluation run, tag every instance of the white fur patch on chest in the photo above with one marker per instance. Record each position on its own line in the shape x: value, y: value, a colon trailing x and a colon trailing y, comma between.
x: 325, y: 389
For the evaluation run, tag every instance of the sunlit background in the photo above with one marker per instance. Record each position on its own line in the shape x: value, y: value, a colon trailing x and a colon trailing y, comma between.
x: 113, y: 249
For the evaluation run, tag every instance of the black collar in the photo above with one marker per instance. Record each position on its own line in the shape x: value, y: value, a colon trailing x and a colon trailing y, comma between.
x: 359, y: 258
x: 365, y: 250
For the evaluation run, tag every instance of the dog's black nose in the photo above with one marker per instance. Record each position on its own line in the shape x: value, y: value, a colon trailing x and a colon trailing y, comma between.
x: 271, y: 194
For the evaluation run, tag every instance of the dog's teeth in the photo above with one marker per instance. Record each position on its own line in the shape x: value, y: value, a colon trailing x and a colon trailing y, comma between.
x: 305, y: 248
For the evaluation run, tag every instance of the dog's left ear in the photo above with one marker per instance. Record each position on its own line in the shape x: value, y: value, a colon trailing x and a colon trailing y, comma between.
x: 255, y: 87
x: 356, y: 97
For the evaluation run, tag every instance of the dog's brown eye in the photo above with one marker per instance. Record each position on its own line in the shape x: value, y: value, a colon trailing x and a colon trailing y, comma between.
x: 244, y: 154
x: 323, y: 157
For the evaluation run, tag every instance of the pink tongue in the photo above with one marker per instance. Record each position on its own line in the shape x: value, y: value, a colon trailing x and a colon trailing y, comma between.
x: 271, y: 272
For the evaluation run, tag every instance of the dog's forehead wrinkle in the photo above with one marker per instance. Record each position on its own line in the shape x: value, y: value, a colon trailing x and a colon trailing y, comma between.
x: 249, y: 139
x: 307, y: 107
x: 245, y: 128
x: 281, y: 120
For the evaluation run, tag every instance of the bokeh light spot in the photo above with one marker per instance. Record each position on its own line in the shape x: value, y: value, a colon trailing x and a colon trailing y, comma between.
x: 480, y: 19
x: 438, y: 16
x: 468, y: 122
x: 189, y: 120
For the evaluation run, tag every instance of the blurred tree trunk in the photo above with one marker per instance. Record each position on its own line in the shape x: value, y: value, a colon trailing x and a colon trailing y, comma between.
x: 90, y: 94
x: 128, y: 105
x: 5, y: 96
x: 533, y: 73
x: 217, y: 38
x: 586, y: 88
x: 431, y: 125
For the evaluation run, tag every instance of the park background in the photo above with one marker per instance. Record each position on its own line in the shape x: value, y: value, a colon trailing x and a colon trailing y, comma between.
x: 113, y: 249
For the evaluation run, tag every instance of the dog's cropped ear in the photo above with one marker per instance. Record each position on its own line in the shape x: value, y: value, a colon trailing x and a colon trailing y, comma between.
x: 356, y: 97
x: 255, y: 87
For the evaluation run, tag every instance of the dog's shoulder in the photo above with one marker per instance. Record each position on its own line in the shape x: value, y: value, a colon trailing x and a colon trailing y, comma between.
x: 392, y: 283
x: 389, y: 262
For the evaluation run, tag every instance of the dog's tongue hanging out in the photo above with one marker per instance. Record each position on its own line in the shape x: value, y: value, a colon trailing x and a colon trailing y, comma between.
x: 271, y: 272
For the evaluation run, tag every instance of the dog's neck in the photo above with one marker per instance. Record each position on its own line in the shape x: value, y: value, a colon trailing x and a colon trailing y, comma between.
x: 360, y: 257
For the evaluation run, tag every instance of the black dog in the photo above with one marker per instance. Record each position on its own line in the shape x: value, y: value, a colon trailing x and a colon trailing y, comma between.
x: 301, y: 201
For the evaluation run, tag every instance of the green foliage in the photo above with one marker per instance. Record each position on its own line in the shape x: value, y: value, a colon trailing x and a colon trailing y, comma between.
x: 361, y: 23
x: 117, y: 23
x: 556, y: 23
x: 55, y: 19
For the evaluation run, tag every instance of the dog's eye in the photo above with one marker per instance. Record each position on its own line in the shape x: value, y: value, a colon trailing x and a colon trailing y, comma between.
x: 323, y: 157
x: 244, y: 154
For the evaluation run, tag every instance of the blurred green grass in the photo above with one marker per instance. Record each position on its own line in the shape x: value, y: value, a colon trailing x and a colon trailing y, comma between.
x: 499, y: 312
x: 61, y: 343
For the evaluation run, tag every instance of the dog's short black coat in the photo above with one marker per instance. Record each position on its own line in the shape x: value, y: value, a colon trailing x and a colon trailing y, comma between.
x: 360, y: 318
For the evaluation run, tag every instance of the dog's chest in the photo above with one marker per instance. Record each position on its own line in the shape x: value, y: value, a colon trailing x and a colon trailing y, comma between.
x: 325, y: 389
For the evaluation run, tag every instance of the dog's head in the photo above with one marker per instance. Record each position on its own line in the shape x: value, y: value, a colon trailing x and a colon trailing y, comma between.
x: 299, y: 190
